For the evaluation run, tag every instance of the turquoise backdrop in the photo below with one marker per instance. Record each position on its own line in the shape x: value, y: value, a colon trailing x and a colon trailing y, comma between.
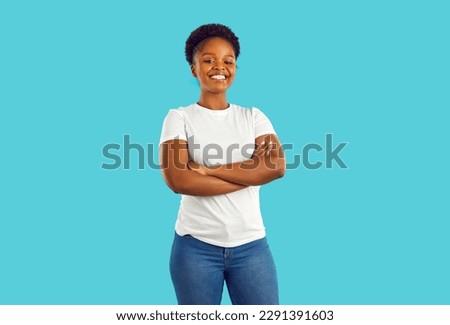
x: 78, y: 75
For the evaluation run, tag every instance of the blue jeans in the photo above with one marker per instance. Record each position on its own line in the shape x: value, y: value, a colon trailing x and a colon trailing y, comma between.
x: 199, y: 270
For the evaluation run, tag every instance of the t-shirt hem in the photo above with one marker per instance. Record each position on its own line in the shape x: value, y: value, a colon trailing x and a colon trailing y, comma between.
x: 227, y: 245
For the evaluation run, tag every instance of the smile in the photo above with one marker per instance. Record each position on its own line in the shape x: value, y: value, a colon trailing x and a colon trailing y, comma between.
x: 218, y: 77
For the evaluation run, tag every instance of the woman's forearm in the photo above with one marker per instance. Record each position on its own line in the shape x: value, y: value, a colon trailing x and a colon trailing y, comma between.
x: 191, y: 183
x: 255, y: 171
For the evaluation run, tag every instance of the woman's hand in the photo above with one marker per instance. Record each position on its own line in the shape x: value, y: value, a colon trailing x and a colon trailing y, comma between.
x: 202, y: 170
x: 263, y: 149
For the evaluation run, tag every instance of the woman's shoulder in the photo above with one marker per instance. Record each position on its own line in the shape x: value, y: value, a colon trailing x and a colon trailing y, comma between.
x: 180, y: 110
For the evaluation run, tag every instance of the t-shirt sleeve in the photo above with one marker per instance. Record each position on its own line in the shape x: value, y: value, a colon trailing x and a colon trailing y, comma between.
x: 262, y: 123
x: 173, y: 127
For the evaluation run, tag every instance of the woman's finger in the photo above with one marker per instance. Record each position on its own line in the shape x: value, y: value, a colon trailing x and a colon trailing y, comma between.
x: 260, y: 149
x: 269, y: 148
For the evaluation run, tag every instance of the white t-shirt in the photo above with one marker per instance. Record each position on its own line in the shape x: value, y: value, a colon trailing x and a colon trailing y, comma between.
x: 219, y: 137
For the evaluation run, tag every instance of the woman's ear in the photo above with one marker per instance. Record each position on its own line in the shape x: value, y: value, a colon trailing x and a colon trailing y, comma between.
x: 193, y: 71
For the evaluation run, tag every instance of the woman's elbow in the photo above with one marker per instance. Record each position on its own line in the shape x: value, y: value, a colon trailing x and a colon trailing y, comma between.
x: 178, y: 186
x: 281, y: 172
x: 174, y: 188
x: 173, y: 183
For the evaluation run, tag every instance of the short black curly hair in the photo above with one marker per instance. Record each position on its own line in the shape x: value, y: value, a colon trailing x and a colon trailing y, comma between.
x: 206, y: 31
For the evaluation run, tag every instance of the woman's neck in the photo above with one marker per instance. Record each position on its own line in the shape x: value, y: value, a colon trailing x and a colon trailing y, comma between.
x: 213, y: 101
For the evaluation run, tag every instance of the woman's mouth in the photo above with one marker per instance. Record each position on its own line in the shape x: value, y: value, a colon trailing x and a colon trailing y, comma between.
x: 218, y: 77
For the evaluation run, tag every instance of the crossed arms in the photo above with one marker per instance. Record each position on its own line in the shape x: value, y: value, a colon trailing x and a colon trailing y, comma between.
x: 187, y: 177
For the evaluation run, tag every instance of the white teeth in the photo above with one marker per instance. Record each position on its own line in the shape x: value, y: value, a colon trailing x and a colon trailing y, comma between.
x: 218, y: 76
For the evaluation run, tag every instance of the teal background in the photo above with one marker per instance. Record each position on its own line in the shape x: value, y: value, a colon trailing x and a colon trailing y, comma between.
x: 77, y: 75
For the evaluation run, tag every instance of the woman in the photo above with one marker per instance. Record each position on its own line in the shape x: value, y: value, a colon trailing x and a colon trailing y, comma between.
x: 216, y: 155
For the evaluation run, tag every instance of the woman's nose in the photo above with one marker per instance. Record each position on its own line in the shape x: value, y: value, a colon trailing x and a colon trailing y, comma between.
x: 219, y: 66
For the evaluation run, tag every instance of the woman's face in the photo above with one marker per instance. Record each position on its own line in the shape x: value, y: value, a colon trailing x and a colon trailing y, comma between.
x: 214, y: 65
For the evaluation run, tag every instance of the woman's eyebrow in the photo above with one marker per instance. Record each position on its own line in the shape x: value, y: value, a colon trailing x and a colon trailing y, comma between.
x: 230, y: 55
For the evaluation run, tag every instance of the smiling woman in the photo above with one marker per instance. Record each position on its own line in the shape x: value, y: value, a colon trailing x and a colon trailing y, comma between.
x: 219, y: 234
x: 214, y: 67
